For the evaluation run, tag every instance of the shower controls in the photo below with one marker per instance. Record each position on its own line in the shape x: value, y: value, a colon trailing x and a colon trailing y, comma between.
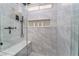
x: 17, y: 17
x: 10, y: 28
x: 1, y: 43
x: 22, y: 35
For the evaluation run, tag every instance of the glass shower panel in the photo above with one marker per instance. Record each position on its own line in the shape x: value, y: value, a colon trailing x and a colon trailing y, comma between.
x: 0, y: 35
x: 75, y: 30
x: 6, y: 32
x: 10, y: 32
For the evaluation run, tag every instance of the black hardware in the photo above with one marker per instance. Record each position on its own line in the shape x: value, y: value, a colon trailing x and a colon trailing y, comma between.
x: 22, y: 35
x: 17, y: 17
x: 28, y: 3
x: 10, y: 28
x: 24, y: 4
x: 1, y: 43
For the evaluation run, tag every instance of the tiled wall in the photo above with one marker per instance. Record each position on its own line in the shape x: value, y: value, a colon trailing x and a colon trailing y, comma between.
x: 56, y: 39
x: 43, y: 38
x: 64, y: 16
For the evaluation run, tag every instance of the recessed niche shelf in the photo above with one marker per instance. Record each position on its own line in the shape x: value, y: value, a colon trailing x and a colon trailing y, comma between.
x: 39, y: 23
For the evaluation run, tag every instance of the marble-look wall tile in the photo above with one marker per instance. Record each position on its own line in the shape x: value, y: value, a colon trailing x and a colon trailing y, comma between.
x: 43, y: 40
x: 58, y: 39
x: 64, y: 16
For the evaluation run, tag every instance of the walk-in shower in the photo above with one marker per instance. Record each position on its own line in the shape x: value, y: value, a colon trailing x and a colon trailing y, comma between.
x: 52, y: 29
